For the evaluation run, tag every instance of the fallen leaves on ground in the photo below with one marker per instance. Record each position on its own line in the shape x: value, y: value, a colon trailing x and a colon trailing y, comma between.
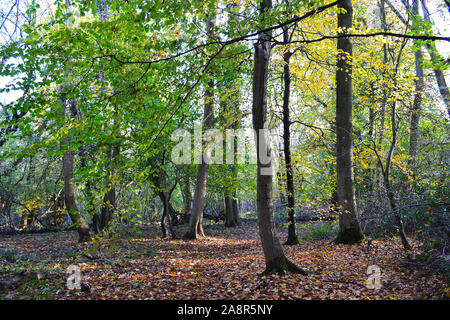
x: 226, y: 265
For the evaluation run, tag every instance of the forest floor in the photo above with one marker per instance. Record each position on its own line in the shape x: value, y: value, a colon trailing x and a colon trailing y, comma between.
x: 226, y: 264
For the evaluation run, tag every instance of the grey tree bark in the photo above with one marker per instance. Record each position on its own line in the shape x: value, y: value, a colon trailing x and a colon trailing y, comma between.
x: 230, y: 117
x: 89, y: 195
x: 69, y: 109
x: 196, y: 218
x: 109, y: 199
x: 349, y: 229
x: 385, y: 59
x: 388, y: 184
x: 415, y: 112
x: 276, y: 261
x: 84, y: 233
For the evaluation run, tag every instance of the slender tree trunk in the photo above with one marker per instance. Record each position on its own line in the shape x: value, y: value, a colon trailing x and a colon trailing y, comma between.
x: 89, y: 196
x: 349, y: 229
x: 415, y: 112
x: 276, y: 261
x: 58, y: 208
x: 165, y: 198
x: 27, y: 219
x: 385, y: 60
x: 439, y: 74
x: 431, y: 48
x: 378, y: 175
x: 290, y: 209
x: 234, y: 172
x: 371, y: 172
x: 234, y: 201
x: 225, y: 118
x: 94, y: 213
x: 280, y: 181
x: 187, y: 196
x: 69, y: 109
x: 84, y: 233
x: 388, y: 185
x: 109, y: 199
x: 196, y: 218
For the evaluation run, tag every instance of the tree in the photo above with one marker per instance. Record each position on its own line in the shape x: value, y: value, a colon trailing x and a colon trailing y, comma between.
x: 84, y: 233
x: 112, y: 152
x: 431, y: 48
x: 439, y: 74
x: 292, y: 236
x: 109, y: 199
x: 276, y: 261
x: 70, y: 110
x: 198, y: 204
x: 415, y: 112
x: 349, y: 229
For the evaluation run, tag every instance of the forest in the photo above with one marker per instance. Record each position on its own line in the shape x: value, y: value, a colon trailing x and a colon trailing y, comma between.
x: 224, y: 150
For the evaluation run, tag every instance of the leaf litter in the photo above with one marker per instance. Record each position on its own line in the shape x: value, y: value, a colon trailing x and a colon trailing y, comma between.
x: 227, y: 264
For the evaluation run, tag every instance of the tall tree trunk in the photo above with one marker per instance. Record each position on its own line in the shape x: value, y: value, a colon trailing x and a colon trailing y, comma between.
x: 415, y: 112
x: 225, y: 118
x: 187, y: 196
x: 109, y: 199
x: 234, y: 202
x: 230, y: 117
x: 349, y: 229
x: 431, y: 48
x: 290, y: 209
x: 439, y: 74
x: 236, y: 124
x: 69, y: 110
x: 378, y: 176
x: 388, y: 185
x: 276, y: 261
x: 385, y: 60
x: 89, y: 196
x: 196, y: 218
x: 165, y: 198
x: 229, y: 212
x: 84, y: 233
x: 168, y: 215
x: 94, y: 213
x: 280, y: 180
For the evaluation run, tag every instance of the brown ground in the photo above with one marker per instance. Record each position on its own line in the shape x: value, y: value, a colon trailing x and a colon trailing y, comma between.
x: 224, y: 265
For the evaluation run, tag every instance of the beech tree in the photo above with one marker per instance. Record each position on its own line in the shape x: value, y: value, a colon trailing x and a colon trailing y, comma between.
x: 276, y: 261
x: 69, y: 107
x: 292, y: 235
x: 348, y: 81
x: 198, y: 203
x: 349, y: 229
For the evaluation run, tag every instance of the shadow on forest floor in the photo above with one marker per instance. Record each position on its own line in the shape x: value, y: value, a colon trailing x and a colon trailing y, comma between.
x: 226, y: 264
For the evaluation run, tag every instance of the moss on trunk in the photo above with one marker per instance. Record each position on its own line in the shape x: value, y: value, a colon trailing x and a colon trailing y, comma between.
x: 350, y: 236
x: 281, y: 266
x: 291, y: 240
x: 190, y: 235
